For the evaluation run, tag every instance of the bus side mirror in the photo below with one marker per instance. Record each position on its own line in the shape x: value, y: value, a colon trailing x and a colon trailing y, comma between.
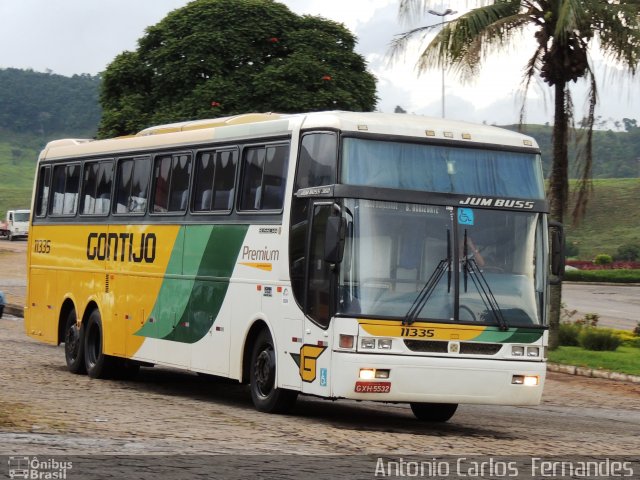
x: 334, y: 239
x: 557, y: 251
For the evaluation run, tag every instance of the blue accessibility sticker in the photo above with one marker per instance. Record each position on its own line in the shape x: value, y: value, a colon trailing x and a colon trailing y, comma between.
x: 323, y: 377
x: 465, y: 216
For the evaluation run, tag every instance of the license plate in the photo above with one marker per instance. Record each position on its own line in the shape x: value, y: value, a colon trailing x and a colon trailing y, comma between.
x: 373, y: 387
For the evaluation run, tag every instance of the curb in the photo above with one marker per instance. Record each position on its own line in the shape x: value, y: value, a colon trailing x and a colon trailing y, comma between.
x: 592, y: 372
x: 15, y: 310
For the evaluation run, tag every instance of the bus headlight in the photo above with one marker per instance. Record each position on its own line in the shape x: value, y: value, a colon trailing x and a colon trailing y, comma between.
x: 517, y: 351
x: 384, y: 343
x: 368, y: 343
x: 533, y: 351
x: 526, y: 380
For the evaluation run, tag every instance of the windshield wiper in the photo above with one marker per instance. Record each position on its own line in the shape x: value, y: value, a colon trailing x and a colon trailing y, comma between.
x: 471, y: 267
x: 431, y: 284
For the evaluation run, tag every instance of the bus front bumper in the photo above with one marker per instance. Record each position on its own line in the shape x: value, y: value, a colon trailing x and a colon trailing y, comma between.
x: 436, y: 379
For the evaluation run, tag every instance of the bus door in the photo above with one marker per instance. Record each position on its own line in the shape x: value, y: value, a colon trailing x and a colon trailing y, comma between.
x: 315, y: 352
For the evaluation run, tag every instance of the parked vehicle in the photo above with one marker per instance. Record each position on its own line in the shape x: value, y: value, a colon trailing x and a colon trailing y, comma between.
x: 16, y: 224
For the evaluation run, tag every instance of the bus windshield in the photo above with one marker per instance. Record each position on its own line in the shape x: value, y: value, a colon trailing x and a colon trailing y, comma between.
x: 394, y: 249
x: 445, y: 169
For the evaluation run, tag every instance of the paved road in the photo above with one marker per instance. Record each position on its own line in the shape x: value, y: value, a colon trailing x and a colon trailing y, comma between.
x: 46, y: 410
x: 618, y: 306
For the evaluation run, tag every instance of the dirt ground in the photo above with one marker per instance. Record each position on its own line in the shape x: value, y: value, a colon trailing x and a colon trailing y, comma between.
x: 13, y: 270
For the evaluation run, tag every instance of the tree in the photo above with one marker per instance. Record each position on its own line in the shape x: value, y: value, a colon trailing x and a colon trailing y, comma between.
x: 565, y: 31
x: 215, y: 58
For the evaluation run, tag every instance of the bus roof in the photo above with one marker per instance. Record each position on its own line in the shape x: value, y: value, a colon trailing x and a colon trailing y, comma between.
x: 256, y: 125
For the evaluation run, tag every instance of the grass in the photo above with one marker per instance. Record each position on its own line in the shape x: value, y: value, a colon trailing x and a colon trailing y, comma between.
x: 623, y: 360
x: 611, y: 218
x: 613, y: 276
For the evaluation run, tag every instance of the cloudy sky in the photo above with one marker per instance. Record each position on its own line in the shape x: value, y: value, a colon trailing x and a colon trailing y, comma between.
x: 82, y: 36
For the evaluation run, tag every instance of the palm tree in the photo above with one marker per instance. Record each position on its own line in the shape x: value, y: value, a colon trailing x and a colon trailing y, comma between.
x: 565, y: 32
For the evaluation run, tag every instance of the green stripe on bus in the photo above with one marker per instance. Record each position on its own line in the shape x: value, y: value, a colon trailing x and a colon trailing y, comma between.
x: 513, y: 335
x: 186, y: 309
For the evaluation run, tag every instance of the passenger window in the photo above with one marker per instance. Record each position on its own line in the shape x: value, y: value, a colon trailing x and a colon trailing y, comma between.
x: 66, y: 185
x: 215, y: 180
x: 96, y: 197
x: 132, y: 185
x: 264, y: 176
x: 42, y: 200
x: 171, y: 173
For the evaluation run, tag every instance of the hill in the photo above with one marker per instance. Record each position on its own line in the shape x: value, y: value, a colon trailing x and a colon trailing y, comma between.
x: 45, y: 104
x: 612, y: 218
x: 615, y: 154
x: 35, y: 108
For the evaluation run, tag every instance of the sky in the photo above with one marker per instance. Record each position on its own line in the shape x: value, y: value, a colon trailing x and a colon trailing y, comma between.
x: 70, y: 37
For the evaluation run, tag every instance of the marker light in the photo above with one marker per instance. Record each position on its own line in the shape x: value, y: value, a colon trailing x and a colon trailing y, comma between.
x: 368, y: 343
x: 346, y: 341
x: 367, y: 373
x: 517, y: 351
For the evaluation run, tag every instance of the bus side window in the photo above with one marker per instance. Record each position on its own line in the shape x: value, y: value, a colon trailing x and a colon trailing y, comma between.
x: 42, y: 200
x: 214, y: 181
x: 66, y: 185
x: 264, y: 173
x: 318, y: 160
x: 96, y: 188
x: 171, y: 190
x: 132, y: 184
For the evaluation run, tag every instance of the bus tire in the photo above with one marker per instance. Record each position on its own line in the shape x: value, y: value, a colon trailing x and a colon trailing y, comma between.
x: 98, y: 364
x: 74, y: 344
x: 265, y: 395
x: 433, y: 412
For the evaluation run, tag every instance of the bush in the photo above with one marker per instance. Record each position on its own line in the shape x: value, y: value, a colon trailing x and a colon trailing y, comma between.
x: 598, y: 339
x: 629, y: 252
x: 569, y: 333
x: 636, y: 331
x: 603, y: 259
x: 571, y: 249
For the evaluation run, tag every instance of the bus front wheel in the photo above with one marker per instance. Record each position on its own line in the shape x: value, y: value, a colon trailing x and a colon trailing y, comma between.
x: 74, y: 344
x: 265, y: 395
x: 98, y: 364
x: 433, y: 412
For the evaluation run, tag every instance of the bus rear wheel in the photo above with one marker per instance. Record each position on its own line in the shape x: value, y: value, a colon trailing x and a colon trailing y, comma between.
x: 265, y: 395
x: 74, y: 344
x: 98, y: 364
x: 433, y: 412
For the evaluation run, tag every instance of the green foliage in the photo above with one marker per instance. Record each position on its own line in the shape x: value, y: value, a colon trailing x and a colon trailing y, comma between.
x: 629, y: 252
x: 614, y: 153
x: 598, y: 339
x: 602, y: 259
x: 216, y: 58
x: 568, y: 334
x: 610, y: 220
x: 45, y: 104
x: 571, y: 249
x: 614, y: 276
x: 624, y: 359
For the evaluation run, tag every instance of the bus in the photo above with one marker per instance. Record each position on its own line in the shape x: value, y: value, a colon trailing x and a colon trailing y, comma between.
x: 366, y: 256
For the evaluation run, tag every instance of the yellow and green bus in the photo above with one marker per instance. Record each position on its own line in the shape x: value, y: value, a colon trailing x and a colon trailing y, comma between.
x: 365, y: 256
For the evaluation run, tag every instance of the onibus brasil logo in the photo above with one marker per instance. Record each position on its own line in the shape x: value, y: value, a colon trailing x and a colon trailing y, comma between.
x: 38, y: 469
